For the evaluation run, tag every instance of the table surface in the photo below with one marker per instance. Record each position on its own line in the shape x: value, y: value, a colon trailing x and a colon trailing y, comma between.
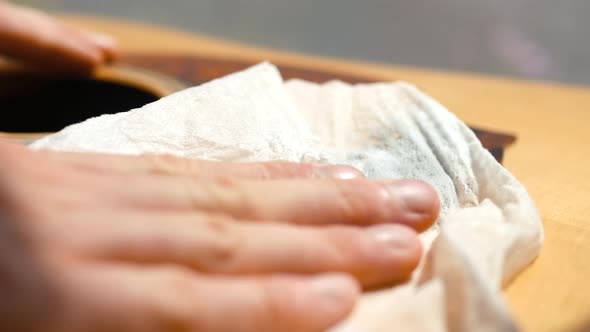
x: 551, y: 121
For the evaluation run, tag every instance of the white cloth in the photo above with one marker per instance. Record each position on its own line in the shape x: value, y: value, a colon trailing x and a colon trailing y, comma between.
x: 489, y: 228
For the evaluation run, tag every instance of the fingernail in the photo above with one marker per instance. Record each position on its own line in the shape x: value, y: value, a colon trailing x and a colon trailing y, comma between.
x: 394, y: 236
x: 104, y: 41
x: 334, y: 291
x: 341, y: 172
x: 413, y: 196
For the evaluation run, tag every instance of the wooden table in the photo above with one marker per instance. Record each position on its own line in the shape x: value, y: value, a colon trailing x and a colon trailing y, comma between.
x: 552, y: 122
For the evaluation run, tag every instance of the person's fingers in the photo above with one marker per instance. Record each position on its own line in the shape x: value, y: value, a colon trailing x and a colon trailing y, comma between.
x: 213, y: 244
x: 107, y: 44
x: 128, y: 299
x: 172, y: 165
x: 304, y: 201
x: 301, y: 201
x: 32, y: 36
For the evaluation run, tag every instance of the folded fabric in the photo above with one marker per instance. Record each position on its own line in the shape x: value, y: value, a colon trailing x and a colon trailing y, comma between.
x: 488, y: 230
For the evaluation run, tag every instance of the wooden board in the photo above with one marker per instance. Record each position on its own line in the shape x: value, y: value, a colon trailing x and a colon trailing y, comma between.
x: 551, y: 121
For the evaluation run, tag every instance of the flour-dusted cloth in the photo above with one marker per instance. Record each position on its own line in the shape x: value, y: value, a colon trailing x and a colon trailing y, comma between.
x: 488, y: 230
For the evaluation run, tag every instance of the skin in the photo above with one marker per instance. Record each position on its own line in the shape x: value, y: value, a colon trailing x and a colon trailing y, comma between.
x: 102, y: 243
x: 33, y: 37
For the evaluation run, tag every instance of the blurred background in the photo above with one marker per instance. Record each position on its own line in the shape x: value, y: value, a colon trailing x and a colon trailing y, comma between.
x: 535, y: 39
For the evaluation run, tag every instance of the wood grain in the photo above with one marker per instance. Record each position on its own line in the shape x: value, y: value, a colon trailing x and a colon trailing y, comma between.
x: 550, y: 156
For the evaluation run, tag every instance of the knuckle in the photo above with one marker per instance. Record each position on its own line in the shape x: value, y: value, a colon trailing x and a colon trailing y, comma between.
x: 203, y: 195
x: 282, y: 303
x: 174, y: 311
x: 21, y: 201
x: 167, y: 164
x: 224, y: 241
x: 267, y: 171
x: 269, y: 308
x: 232, y: 198
x: 349, y: 245
x: 362, y: 201
x: 177, y: 279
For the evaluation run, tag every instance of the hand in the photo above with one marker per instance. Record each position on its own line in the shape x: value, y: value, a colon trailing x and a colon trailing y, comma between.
x: 31, y: 36
x: 157, y: 243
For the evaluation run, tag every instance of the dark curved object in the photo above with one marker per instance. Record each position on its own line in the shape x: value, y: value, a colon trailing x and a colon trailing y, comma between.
x: 36, y: 103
